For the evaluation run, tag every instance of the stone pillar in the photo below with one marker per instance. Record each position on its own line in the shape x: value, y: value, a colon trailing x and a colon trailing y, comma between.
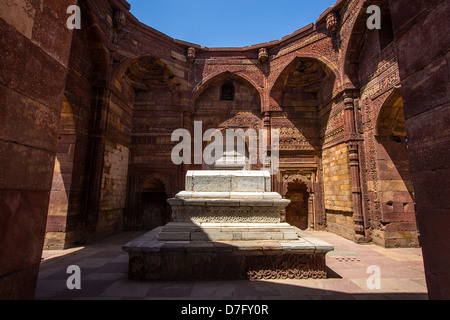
x: 311, y: 211
x: 356, y: 188
x: 266, y: 126
x: 96, y: 150
x: 353, y: 154
x: 349, y: 115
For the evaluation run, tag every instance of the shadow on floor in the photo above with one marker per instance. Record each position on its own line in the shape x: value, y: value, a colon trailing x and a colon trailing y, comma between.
x: 104, y: 269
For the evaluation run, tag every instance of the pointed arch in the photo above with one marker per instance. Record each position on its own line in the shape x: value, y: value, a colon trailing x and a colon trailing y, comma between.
x: 224, y: 76
x: 330, y: 67
x: 316, y: 71
x: 146, y: 71
x: 354, y: 45
x: 391, y: 119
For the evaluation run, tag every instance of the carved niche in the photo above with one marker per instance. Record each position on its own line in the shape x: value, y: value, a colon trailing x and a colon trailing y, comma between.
x: 291, y: 177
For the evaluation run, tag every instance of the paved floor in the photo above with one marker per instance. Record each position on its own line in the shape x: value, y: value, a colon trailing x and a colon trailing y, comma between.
x: 104, y: 266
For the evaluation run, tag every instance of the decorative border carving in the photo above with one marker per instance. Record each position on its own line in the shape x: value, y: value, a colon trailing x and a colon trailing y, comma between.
x: 226, y: 214
x: 286, y: 266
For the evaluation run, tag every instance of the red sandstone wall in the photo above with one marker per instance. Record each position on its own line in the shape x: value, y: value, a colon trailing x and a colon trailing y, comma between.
x: 66, y: 211
x: 389, y: 186
x: 35, y: 50
x: 421, y: 41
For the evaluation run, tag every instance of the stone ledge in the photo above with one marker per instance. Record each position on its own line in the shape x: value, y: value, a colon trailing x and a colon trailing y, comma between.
x: 304, y: 243
x: 189, y: 197
x: 185, y: 231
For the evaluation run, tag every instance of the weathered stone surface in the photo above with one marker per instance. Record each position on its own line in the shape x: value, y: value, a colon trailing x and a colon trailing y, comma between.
x: 35, y: 87
x: 414, y: 23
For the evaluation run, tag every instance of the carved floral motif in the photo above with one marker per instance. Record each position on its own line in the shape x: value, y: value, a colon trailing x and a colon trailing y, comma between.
x: 287, y: 266
x: 226, y: 214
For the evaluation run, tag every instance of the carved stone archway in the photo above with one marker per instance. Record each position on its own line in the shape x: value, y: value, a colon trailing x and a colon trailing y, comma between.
x: 307, y: 179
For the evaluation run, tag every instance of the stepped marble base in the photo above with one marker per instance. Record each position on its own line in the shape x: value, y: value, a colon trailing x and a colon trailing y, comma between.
x: 152, y: 258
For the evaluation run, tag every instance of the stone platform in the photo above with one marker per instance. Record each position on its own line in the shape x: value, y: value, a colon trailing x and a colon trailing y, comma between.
x: 154, y: 259
x: 227, y: 225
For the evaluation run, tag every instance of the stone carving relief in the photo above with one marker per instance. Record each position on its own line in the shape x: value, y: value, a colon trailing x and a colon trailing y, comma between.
x: 263, y: 55
x: 191, y: 54
x: 242, y: 120
x: 333, y: 21
x: 291, y: 177
x: 292, y: 139
x: 288, y: 266
x: 119, y: 20
x: 226, y: 214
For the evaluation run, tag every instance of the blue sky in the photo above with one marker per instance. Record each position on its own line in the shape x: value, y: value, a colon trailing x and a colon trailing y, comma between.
x: 232, y: 23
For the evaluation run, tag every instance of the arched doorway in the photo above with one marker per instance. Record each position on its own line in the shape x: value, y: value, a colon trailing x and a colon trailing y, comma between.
x: 297, y: 210
x: 154, y: 210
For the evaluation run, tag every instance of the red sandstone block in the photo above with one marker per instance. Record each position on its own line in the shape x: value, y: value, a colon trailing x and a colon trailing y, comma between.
x: 19, y: 285
x: 25, y: 68
x: 399, y: 217
x: 434, y: 224
x: 51, y: 34
x: 406, y: 14
x: 22, y: 227
x: 392, y: 174
x: 403, y: 196
x: 25, y: 168
x: 427, y: 88
x: 401, y: 226
x: 60, y: 198
x: 424, y: 28
x: 432, y: 189
x: 56, y: 223
x: 26, y: 121
x: 398, y: 207
x: 59, y: 8
x: 428, y: 144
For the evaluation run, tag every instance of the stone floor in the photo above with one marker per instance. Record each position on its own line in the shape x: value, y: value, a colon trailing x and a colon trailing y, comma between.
x: 104, y: 276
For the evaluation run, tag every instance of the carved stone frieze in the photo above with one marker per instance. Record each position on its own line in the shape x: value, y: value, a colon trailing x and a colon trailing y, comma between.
x: 287, y: 266
x: 226, y: 214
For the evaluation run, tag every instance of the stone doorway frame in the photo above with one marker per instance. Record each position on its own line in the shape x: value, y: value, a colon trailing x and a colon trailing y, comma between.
x: 308, y: 178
